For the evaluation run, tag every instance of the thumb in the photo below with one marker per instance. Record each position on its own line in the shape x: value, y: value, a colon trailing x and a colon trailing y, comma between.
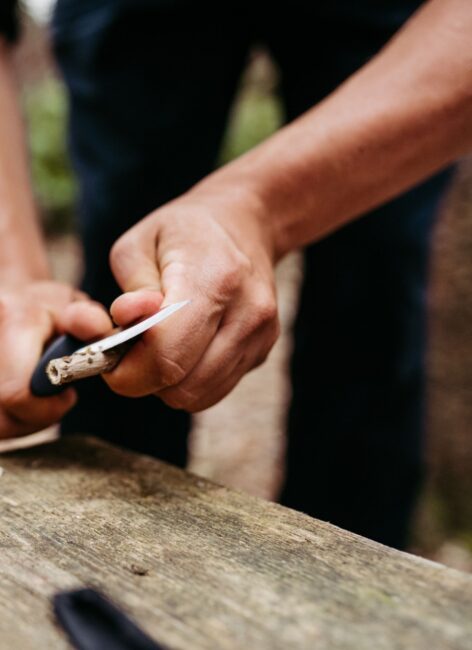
x: 133, y: 261
x: 135, y: 305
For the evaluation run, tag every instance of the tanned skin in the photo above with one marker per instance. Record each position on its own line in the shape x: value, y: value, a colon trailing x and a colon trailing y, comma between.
x: 32, y: 306
x: 402, y: 117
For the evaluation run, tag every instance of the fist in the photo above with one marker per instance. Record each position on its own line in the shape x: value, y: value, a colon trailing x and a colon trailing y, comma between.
x: 210, y: 249
x: 29, y: 317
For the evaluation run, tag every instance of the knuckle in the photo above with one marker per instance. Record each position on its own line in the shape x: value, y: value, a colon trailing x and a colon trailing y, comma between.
x: 230, y: 278
x: 180, y: 399
x: 268, y: 312
x: 265, y: 311
x: 171, y: 372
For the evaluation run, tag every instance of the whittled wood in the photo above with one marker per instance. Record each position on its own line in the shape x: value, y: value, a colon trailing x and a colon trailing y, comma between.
x: 83, y: 364
x: 201, y: 567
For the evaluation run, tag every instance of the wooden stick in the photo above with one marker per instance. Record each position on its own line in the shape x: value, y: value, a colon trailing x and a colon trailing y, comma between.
x: 83, y: 364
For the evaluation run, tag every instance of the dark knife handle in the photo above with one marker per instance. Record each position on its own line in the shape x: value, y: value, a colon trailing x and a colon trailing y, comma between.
x: 63, y: 346
x: 92, y: 622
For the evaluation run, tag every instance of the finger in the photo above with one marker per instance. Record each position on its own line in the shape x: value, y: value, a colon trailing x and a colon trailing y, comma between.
x: 231, y: 355
x: 12, y: 428
x: 21, y: 341
x: 207, y: 401
x: 132, y: 306
x: 133, y: 260
x: 168, y: 352
x: 214, y: 370
x: 165, y: 354
x: 84, y: 319
x: 32, y: 414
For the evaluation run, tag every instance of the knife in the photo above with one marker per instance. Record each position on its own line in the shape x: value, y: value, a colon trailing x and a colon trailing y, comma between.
x: 68, y: 359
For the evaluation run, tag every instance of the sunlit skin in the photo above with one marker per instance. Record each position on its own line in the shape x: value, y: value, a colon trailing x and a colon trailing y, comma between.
x: 29, y: 316
x: 403, y: 116
x: 33, y: 308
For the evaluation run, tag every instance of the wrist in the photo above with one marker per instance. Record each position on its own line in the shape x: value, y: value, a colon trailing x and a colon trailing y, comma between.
x: 22, y: 250
x: 239, y: 206
x: 18, y: 275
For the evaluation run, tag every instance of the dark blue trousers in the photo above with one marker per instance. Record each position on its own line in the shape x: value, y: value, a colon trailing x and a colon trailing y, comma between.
x: 151, y: 83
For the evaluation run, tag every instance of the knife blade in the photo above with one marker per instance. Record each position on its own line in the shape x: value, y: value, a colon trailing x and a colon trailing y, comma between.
x: 67, y: 345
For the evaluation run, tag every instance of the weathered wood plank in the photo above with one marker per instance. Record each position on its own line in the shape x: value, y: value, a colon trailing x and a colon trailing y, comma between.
x: 201, y: 567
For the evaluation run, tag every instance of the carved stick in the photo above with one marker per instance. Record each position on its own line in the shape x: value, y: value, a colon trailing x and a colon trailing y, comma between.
x: 84, y: 364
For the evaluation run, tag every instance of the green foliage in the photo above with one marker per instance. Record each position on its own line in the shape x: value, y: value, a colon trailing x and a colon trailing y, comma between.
x: 256, y: 116
x: 45, y: 107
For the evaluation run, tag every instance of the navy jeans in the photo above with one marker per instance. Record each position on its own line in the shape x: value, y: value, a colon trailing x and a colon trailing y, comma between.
x: 151, y: 83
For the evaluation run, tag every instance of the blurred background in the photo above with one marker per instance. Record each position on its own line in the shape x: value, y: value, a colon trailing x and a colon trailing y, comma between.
x: 240, y: 441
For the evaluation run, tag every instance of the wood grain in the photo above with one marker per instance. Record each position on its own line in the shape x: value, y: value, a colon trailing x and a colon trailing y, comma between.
x: 201, y: 567
x: 81, y: 365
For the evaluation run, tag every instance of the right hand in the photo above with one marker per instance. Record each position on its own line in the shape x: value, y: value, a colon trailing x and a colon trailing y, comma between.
x: 214, y: 246
x: 30, y: 316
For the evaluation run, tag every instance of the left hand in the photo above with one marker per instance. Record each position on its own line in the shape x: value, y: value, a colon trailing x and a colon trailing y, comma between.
x: 208, y: 246
x: 30, y: 315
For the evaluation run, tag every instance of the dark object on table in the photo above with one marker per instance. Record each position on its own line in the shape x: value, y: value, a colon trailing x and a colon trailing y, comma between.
x: 93, y: 623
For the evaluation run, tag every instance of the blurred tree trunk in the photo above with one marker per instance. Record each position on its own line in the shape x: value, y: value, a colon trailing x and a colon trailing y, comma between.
x: 450, y: 367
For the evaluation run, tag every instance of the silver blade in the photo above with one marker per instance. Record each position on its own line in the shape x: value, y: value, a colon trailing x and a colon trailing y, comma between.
x: 130, y: 332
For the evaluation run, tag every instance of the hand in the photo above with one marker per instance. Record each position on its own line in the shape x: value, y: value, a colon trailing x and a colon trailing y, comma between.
x: 207, y: 246
x: 29, y: 316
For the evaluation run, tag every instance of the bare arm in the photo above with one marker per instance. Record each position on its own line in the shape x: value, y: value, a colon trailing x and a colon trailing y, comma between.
x: 400, y: 118
x: 33, y: 307
x: 403, y: 116
x: 22, y: 252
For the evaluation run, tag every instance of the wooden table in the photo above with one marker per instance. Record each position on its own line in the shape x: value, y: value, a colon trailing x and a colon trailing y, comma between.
x: 202, y: 567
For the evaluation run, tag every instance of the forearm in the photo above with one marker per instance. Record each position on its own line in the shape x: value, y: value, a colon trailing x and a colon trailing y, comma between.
x: 22, y: 252
x: 403, y: 116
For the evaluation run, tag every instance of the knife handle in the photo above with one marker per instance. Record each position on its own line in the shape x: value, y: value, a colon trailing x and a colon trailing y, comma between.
x: 63, y: 346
